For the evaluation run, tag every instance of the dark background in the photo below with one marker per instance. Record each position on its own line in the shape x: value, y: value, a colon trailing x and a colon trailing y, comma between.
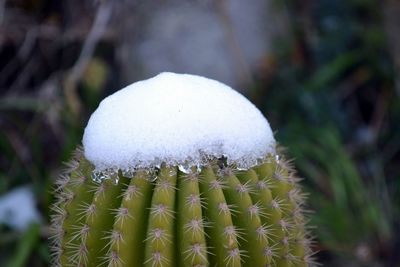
x: 324, y: 72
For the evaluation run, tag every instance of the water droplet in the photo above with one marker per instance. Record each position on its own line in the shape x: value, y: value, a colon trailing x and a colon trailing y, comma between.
x: 157, y: 166
x: 172, y: 171
x: 129, y: 173
x: 153, y: 174
x: 198, y: 168
x: 112, y: 173
x: 115, y: 179
x: 185, y: 168
x: 95, y: 176
x: 99, y: 176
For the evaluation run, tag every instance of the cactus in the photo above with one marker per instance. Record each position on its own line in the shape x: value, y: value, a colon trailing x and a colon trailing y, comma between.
x: 213, y: 215
x: 179, y: 183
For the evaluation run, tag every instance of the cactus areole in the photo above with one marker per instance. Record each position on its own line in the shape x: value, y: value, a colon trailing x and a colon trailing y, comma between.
x: 179, y: 170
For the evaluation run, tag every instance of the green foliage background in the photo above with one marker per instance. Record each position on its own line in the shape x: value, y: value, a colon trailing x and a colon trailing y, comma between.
x: 330, y: 90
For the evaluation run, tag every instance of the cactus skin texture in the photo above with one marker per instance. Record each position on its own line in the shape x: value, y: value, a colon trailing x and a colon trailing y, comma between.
x: 219, y: 216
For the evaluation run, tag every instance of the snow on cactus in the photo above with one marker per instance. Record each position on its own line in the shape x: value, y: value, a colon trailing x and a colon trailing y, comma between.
x: 179, y: 170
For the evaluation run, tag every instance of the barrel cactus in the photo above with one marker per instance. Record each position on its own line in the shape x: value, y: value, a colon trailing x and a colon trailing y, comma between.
x: 179, y: 170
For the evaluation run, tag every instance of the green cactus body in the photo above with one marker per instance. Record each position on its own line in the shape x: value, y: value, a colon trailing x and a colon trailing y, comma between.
x: 209, y: 216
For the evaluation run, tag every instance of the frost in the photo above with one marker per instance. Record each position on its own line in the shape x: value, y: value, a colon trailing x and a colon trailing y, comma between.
x: 17, y: 209
x: 176, y: 119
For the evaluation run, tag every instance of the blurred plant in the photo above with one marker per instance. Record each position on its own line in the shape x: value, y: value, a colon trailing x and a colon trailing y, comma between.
x: 47, y: 54
x: 331, y: 94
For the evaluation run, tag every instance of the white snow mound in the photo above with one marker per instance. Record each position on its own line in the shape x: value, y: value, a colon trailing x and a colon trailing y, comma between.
x: 176, y: 119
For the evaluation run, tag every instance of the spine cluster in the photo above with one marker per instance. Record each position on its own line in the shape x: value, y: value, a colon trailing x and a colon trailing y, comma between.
x: 219, y: 216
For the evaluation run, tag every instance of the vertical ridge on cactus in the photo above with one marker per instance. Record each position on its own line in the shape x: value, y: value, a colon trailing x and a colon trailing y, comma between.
x: 189, y: 211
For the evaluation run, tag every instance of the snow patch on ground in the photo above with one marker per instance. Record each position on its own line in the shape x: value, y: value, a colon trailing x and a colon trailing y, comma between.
x: 176, y: 119
x: 18, y: 210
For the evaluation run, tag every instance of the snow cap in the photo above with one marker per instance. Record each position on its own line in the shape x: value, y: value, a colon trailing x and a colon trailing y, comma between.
x: 176, y: 119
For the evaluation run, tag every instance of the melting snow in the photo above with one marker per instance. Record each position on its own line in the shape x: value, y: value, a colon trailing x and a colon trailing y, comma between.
x: 176, y: 119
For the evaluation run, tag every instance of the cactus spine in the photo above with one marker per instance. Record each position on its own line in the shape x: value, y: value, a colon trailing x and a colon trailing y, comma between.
x: 216, y: 216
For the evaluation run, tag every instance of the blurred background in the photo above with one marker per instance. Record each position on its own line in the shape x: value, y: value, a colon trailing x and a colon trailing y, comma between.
x: 324, y: 72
